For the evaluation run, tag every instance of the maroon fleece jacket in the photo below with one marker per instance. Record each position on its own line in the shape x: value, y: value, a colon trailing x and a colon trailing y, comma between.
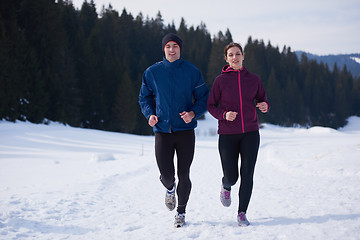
x: 237, y: 91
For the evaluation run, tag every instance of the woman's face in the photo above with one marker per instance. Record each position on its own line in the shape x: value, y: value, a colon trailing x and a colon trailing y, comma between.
x: 234, y: 58
x: 172, y: 51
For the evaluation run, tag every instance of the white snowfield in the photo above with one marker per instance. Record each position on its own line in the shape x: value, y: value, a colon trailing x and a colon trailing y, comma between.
x: 59, y: 182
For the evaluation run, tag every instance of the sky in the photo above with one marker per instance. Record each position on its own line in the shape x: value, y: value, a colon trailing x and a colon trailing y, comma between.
x: 320, y: 27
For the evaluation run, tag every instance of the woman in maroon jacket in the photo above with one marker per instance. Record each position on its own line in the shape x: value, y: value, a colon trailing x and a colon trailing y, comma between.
x: 234, y: 97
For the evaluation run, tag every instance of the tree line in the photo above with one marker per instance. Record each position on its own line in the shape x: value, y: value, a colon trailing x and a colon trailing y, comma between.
x: 84, y: 69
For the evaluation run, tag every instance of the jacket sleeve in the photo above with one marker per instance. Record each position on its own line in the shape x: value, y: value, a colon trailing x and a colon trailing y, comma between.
x: 261, y: 94
x: 146, y: 96
x: 201, y: 94
x: 214, y: 101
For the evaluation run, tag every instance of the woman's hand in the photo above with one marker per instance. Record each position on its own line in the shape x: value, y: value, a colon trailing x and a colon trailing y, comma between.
x: 230, y: 116
x: 263, y: 106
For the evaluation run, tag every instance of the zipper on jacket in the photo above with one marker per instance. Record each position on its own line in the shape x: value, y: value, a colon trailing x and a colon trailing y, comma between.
x: 241, y: 107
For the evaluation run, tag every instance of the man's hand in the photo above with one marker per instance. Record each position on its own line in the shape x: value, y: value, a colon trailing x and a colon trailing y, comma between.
x: 153, y: 120
x: 187, y: 116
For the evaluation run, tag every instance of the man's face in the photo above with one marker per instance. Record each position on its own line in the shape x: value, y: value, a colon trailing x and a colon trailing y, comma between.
x: 172, y: 51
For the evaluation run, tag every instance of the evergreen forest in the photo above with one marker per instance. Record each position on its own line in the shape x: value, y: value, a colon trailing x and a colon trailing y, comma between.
x: 84, y: 69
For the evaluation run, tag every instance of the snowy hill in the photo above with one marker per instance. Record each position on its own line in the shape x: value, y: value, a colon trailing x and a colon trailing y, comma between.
x: 59, y: 182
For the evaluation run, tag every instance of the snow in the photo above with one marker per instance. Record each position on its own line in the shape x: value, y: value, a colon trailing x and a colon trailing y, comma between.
x: 59, y: 182
x: 356, y: 59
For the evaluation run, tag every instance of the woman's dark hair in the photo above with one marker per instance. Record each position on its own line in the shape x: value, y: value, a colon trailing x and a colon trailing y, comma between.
x: 230, y: 45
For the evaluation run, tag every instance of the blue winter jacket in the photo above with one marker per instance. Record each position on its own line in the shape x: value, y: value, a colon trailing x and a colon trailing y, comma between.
x: 168, y: 89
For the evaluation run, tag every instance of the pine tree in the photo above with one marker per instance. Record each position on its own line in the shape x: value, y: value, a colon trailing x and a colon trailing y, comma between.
x: 255, y: 59
x: 342, y: 97
x: 22, y: 92
x: 292, y: 104
x: 125, y: 108
x: 355, y: 97
x: 88, y: 17
x: 275, y: 96
x: 217, y: 58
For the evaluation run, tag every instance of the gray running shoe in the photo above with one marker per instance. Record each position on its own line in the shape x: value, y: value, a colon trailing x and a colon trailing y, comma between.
x: 242, y: 220
x: 170, y: 199
x: 225, y: 197
x: 179, y: 220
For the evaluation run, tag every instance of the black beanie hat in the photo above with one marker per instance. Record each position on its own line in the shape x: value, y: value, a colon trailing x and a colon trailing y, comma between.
x: 171, y: 37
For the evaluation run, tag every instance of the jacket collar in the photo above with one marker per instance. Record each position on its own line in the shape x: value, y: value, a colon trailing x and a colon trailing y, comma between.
x: 227, y: 68
x: 172, y: 64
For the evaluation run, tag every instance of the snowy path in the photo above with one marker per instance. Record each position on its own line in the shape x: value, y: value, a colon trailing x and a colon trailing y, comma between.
x: 59, y: 182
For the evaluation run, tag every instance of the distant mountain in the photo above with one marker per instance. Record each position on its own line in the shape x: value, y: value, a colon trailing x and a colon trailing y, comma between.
x: 352, y: 61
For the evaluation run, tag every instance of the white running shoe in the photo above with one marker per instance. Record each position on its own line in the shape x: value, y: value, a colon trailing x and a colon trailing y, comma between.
x: 170, y: 199
x: 179, y: 220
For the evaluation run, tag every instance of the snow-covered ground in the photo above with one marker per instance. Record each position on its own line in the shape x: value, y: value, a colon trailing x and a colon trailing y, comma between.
x: 59, y: 182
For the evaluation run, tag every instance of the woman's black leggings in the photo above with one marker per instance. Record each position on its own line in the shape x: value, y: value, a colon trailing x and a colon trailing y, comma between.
x: 183, y: 142
x: 230, y: 147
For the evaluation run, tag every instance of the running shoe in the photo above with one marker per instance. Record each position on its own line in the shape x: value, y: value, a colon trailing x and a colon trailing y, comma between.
x: 170, y: 199
x: 225, y: 197
x: 179, y: 220
x: 242, y: 220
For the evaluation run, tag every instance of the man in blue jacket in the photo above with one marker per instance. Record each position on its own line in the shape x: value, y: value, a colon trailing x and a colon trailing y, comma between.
x: 173, y: 95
